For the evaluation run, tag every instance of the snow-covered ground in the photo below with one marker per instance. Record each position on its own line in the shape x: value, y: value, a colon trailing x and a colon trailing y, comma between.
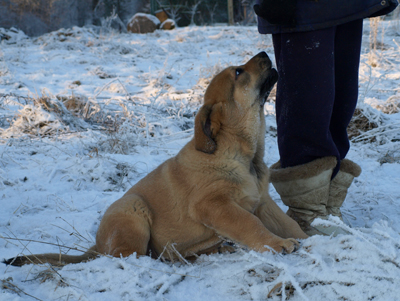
x: 138, y: 93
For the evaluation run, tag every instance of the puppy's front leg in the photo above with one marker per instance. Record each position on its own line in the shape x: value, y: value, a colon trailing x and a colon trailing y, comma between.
x: 275, y: 220
x: 230, y: 220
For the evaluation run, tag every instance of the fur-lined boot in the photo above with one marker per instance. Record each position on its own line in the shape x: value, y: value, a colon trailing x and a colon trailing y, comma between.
x: 339, y: 186
x: 305, y: 189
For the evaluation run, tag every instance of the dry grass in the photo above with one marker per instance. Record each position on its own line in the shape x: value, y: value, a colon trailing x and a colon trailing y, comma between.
x: 371, y: 125
x: 391, y: 105
x: 390, y: 157
x: 78, y: 105
x: 374, y: 44
x: 40, y: 116
x: 6, y: 284
x: 46, y: 102
x: 48, y: 116
x: 360, y: 124
x: 286, y: 290
x: 49, y: 274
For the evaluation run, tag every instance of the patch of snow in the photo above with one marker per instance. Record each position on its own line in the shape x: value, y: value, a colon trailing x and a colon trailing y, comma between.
x: 136, y: 101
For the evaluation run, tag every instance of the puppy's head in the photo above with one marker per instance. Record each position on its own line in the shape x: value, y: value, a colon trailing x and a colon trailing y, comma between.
x: 234, y: 102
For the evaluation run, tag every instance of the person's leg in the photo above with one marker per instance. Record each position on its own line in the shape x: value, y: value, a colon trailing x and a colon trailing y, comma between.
x: 304, y: 103
x: 347, y: 61
x: 316, y: 97
x: 305, y: 95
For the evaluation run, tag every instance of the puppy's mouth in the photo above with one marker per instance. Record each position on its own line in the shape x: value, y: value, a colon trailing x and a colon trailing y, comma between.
x: 267, y: 85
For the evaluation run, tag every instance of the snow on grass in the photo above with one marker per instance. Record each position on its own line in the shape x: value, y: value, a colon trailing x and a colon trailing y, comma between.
x: 84, y: 115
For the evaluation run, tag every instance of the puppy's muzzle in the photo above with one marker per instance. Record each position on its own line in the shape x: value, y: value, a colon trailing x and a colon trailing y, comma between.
x: 268, y: 75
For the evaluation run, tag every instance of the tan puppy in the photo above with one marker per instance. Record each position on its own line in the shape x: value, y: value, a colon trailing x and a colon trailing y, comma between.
x: 216, y: 188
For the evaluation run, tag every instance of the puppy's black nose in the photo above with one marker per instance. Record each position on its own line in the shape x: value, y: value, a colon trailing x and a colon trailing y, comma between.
x: 262, y: 54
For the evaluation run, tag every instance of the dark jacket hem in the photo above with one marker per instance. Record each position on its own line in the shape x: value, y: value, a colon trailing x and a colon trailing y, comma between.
x: 377, y: 10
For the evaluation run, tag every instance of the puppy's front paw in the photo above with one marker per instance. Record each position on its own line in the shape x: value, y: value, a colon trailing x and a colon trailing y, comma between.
x: 287, y: 246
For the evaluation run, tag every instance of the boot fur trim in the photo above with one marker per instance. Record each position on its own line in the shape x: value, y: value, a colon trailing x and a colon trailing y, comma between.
x: 305, y: 171
x: 350, y: 167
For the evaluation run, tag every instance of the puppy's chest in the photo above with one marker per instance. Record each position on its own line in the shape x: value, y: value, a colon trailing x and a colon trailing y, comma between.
x: 253, y: 187
x: 251, y: 192
x: 250, y: 183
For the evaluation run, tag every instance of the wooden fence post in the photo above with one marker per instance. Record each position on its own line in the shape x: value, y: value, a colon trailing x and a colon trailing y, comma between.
x: 153, y: 6
x: 230, y: 11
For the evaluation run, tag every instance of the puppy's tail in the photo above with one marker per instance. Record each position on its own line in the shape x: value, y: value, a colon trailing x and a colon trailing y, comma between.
x: 52, y: 258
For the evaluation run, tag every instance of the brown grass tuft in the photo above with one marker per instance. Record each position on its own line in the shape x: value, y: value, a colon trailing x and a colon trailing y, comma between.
x: 78, y: 105
x: 45, y: 102
x: 360, y: 124
x: 391, y: 105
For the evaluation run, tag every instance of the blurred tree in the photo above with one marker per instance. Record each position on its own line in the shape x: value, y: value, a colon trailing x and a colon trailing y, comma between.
x: 125, y: 9
x: 199, y: 12
x: 36, y: 17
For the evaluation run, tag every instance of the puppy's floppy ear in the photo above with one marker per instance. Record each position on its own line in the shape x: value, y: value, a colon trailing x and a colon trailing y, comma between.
x: 207, y: 125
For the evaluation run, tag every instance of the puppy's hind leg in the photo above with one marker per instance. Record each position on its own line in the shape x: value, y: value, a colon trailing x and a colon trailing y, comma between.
x: 125, y: 228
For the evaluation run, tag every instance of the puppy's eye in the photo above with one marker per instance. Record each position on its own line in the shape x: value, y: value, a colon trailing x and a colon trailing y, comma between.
x: 238, y: 71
